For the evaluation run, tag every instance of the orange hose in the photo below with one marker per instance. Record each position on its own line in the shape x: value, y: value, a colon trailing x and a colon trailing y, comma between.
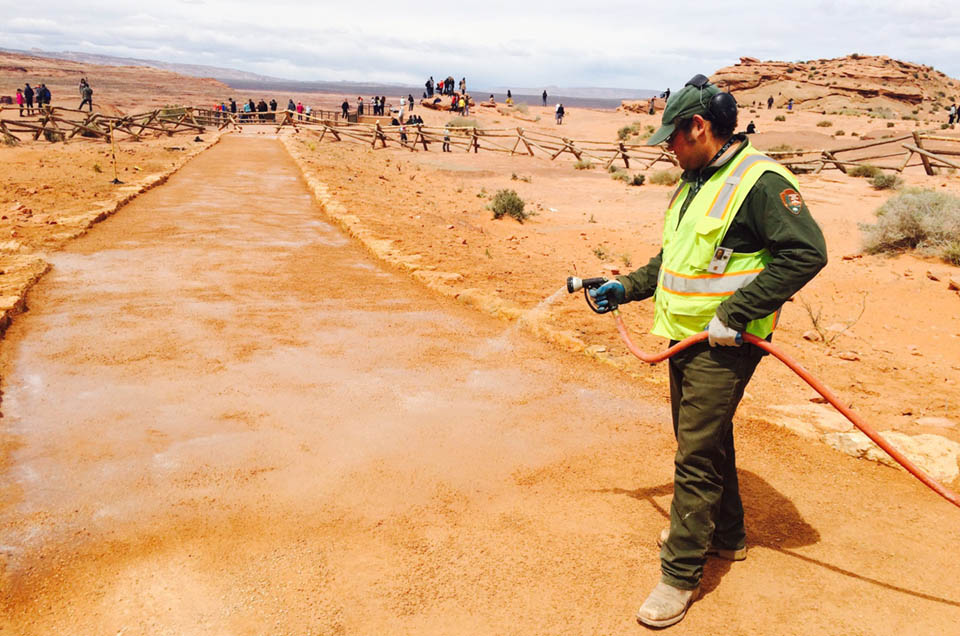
x: 818, y: 386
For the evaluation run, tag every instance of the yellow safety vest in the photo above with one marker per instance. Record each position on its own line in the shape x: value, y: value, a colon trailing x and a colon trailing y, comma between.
x: 688, y: 294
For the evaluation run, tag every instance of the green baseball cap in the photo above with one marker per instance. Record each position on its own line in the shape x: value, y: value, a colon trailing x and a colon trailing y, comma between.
x: 690, y: 100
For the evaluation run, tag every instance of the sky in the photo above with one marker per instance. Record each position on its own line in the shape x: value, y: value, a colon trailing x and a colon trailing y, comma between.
x: 494, y: 43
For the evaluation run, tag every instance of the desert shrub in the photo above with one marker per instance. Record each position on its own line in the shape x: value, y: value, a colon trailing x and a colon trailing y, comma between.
x: 97, y: 168
x: 839, y: 133
x: 951, y: 253
x: 522, y: 108
x: 890, y: 124
x: 462, y: 122
x: 665, y: 177
x: 824, y: 123
x: 620, y: 175
x: 601, y: 252
x: 780, y: 118
x: 638, y: 180
x: 624, y: 133
x: 524, y: 178
x: 508, y: 203
x: 883, y: 113
x: 944, y: 126
x: 909, y: 118
x: 884, y: 181
x: 855, y: 133
x: 612, y: 168
x: 924, y: 220
x: 867, y: 171
x: 583, y: 164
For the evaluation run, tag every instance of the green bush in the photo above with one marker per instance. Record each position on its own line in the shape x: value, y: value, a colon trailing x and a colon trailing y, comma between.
x: 638, y: 180
x: 885, y: 181
x: 890, y: 124
x: 665, y: 177
x: 924, y: 220
x: 867, y: 171
x: 612, y: 168
x: 508, y: 203
x: 780, y: 118
x: 620, y: 175
x: 583, y: 164
x: 824, y: 123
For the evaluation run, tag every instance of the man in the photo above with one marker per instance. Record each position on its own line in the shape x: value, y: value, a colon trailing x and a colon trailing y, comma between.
x: 87, y: 94
x: 738, y: 242
x: 28, y: 96
x: 544, y: 97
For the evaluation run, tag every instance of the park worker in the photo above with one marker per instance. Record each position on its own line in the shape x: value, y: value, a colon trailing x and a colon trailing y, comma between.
x: 738, y: 242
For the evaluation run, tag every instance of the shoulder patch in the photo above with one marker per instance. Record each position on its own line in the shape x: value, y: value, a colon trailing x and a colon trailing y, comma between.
x: 792, y: 200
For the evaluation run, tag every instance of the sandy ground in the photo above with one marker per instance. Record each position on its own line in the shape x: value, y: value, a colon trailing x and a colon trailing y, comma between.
x: 256, y: 428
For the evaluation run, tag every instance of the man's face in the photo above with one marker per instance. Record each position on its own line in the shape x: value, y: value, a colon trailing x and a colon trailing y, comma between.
x: 690, y: 144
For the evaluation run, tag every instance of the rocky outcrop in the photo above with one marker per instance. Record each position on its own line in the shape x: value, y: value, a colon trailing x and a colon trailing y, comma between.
x: 856, y: 81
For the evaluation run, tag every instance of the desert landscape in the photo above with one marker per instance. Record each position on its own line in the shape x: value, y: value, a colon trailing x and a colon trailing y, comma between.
x: 476, y: 451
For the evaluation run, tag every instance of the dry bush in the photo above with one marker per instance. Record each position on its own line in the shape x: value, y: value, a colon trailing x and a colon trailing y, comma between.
x: 886, y: 182
x: 824, y: 123
x: 665, y: 177
x: 462, y: 122
x: 916, y: 219
x: 583, y: 164
x: 867, y: 171
x: 780, y: 118
x: 620, y: 175
x: 508, y: 203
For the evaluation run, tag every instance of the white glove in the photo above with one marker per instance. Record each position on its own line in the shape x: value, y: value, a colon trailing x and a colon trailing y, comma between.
x: 720, y: 334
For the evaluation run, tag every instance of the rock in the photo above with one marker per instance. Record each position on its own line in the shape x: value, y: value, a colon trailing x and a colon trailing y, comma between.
x: 848, y: 355
x: 595, y: 349
x: 937, y: 422
x: 932, y: 276
x: 953, y: 284
x: 934, y: 454
x: 812, y: 336
x: 850, y: 257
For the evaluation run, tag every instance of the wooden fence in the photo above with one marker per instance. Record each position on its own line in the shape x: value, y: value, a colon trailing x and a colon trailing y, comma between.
x: 892, y: 153
x: 512, y: 141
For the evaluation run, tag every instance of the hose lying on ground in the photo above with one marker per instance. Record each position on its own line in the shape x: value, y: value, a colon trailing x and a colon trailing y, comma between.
x: 818, y: 386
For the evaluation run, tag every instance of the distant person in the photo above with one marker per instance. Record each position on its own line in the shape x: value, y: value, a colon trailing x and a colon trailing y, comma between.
x: 345, y: 108
x: 233, y: 106
x: 652, y: 105
x: 429, y: 86
x: 509, y: 94
x: 87, y: 94
x: 450, y: 85
x: 790, y: 104
x: 300, y: 111
x: 666, y: 94
x: 28, y: 97
x: 770, y: 102
x: 83, y: 82
x: 453, y: 103
x: 446, y: 141
x: 273, y: 105
x: 20, y: 100
x: 410, y: 102
x: 953, y: 113
x: 751, y: 128
x: 440, y: 87
x: 359, y: 106
x: 544, y: 96
x: 465, y: 100
x: 559, y: 114
x: 43, y: 96
x: 463, y: 84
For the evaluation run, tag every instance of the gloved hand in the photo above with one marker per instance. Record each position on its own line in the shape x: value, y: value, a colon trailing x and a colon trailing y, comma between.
x: 610, y: 293
x: 720, y: 334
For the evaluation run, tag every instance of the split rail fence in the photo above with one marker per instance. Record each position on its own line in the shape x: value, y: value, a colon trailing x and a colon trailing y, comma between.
x: 897, y: 153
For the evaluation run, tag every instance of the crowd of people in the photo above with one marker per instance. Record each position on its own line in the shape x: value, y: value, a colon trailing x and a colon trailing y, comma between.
x: 28, y: 96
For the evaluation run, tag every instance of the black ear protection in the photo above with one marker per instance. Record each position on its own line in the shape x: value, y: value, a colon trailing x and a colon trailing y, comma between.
x: 722, y: 107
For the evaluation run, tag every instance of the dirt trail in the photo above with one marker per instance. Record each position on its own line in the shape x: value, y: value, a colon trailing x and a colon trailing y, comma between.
x: 221, y: 417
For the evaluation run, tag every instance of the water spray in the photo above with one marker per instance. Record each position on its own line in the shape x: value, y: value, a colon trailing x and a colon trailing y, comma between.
x: 575, y: 284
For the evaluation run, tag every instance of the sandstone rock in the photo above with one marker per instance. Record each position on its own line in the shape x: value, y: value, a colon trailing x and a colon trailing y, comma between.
x: 932, y: 276
x: 953, y: 283
x: 934, y: 454
x: 812, y: 336
x: 848, y: 355
x: 938, y: 422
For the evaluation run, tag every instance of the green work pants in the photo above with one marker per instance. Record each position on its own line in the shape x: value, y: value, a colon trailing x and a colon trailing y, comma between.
x: 706, y: 385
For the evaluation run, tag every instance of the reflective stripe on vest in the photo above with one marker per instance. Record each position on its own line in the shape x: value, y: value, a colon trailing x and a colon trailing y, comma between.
x: 708, y: 284
x: 720, y: 204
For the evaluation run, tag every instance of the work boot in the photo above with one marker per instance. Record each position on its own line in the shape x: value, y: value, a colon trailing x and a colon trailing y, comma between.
x: 666, y: 605
x: 723, y: 553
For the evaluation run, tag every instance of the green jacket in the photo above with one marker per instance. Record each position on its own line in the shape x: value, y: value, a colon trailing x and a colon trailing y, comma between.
x: 766, y: 220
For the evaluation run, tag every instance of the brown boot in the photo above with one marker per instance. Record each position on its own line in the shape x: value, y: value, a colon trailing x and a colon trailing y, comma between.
x: 729, y: 555
x: 666, y: 605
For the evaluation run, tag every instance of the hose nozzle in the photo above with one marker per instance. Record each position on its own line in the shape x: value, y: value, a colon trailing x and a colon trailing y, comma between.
x: 575, y: 284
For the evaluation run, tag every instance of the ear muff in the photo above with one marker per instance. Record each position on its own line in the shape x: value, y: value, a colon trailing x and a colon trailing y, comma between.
x: 723, y: 109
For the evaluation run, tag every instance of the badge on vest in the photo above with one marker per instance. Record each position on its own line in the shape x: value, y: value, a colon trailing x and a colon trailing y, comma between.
x: 720, y: 259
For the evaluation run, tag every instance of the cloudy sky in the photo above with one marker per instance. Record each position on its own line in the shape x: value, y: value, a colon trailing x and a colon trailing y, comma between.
x: 492, y: 42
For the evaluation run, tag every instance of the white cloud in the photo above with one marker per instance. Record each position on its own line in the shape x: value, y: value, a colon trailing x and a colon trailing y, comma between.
x: 496, y: 43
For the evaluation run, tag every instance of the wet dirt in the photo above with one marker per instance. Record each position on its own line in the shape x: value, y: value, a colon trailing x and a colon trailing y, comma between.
x: 221, y: 416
